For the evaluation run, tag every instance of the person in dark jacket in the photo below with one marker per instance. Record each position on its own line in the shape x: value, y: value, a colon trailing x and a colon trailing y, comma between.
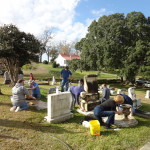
x: 127, y: 100
x: 105, y: 93
x: 108, y: 109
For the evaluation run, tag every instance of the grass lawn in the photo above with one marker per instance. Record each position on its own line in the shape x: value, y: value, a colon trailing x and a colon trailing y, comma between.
x: 45, y: 71
x: 26, y: 130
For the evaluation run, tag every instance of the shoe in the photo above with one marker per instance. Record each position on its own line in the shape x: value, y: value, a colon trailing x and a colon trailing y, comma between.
x: 17, y: 109
x: 108, y: 127
x: 103, y: 124
x: 13, y: 108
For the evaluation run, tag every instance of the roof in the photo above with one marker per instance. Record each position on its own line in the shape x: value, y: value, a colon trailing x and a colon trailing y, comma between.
x: 70, y: 57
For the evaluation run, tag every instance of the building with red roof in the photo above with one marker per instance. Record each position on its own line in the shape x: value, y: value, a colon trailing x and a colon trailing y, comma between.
x: 63, y: 58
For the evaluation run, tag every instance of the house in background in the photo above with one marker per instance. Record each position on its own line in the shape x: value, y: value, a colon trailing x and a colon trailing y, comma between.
x: 63, y: 58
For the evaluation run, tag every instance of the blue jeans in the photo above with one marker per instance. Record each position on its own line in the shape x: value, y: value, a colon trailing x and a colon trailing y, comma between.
x: 24, y: 105
x: 64, y: 84
x: 99, y: 113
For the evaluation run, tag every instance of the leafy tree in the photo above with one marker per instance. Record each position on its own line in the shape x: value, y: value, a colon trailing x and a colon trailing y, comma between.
x: 116, y: 42
x: 16, y: 49
x: 53, y: 54
x: 46, y: 42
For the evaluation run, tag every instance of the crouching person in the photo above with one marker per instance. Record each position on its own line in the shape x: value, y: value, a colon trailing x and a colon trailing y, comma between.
x: 108, y: 109
x: 19, y: 94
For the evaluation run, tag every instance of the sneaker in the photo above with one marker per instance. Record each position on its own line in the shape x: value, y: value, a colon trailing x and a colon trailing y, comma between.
x: 108, y: 127
x: 17, y: 109
x: 13, y: 108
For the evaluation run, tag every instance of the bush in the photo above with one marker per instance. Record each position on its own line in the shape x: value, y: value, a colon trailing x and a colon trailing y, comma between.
x: 55, y: 65
x: 29, y: 66
x: 45, y: 62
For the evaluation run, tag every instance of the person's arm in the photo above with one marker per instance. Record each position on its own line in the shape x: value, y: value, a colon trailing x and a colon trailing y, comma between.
x: 34, y: 86
x: 70, y: 75
x: 26, y: 92
x: 103, y: 93
x: 119, y: 112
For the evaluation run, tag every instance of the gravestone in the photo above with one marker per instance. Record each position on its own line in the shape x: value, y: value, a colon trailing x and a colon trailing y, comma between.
x: 119, y: 91
x: 53, y: 81
x: 6, y: 78
x: 147, y: 94
x: 90, y: 96
x: 132, y: 95
x: 58, y: 107
x: 20, y: 76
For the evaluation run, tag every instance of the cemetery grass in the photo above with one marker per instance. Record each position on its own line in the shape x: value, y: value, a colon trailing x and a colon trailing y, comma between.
x: 46, y: 71
x: 27, y: 130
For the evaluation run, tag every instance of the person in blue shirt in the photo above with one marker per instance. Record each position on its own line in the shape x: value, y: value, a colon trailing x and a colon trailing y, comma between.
x: 35, y: 89
x: 75, y: 91
x: 65, y: 75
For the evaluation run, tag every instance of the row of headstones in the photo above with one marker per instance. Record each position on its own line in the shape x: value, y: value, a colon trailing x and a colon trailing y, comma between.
x: 131, y: 91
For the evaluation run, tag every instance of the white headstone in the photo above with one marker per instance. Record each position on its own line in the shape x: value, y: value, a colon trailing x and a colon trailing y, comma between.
x: 58, y: 107
x: 119, y: 91
x: 53, y: 81
x: 147, y: 94
x: 131, y: 93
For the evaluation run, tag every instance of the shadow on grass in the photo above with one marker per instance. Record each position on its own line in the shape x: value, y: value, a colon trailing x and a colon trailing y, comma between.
x: 47, y: 128
x: 7, y: 104
x: 8, y: 137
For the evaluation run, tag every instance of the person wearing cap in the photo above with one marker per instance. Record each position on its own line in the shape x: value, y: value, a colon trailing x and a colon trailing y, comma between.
x: 108, y: 109
x: 65, y: 75
x: 35, y: 89
x: 18, y: 99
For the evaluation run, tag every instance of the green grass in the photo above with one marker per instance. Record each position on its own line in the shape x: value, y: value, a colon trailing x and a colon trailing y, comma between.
x: 26, y: 130
x: 45, y: 71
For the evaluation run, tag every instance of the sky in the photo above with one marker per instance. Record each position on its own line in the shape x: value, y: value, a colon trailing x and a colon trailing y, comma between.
x: 67, y: 19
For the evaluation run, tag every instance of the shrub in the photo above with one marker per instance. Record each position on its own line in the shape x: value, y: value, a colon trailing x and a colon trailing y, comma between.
x: 55, y: 65
x: 29, y: 66
x: 45, y: 62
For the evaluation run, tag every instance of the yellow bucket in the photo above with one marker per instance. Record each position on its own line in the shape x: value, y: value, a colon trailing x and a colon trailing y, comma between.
x: 94, y: 127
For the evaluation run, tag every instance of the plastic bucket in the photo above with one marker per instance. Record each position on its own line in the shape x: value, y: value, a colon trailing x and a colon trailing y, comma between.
x: 94, y: 127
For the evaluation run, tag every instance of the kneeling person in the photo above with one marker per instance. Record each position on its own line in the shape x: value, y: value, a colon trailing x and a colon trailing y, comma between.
x: 19, y: 94
x: 108, y: 109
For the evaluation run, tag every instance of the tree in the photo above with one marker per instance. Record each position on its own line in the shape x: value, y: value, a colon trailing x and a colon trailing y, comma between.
x: 46, y: 42
x: 118, y: 43
x: 64, y: 47
x: 16, y: 49
x: 53, y: 54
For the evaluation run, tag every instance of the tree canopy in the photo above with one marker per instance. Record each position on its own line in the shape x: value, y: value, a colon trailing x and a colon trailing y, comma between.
x: 16, y: 49
x: 118, y: 42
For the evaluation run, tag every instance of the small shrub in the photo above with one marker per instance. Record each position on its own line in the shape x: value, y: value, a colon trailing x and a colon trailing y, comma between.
x: 45, y: 62
x: 55, y: 65
x: 28, y: 66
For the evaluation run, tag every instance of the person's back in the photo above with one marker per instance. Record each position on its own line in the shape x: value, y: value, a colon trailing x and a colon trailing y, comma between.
x: 105, y: 93
x: 19, y: 92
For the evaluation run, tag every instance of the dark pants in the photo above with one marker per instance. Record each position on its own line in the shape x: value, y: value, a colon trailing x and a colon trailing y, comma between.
x: 64, y: 84
x: 99, y: 113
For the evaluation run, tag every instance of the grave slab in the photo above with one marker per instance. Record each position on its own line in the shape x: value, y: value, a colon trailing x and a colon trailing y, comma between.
x: 58, y: 107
